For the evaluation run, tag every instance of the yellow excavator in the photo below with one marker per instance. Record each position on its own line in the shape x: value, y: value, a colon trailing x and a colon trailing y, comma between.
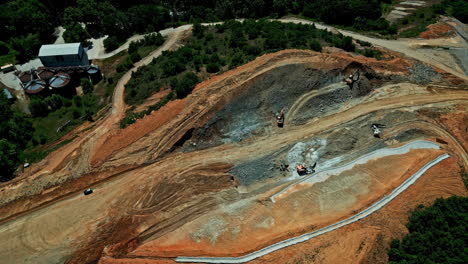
x: 280, y: 119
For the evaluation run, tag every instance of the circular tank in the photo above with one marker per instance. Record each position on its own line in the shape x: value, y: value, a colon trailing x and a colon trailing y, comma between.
x: 94, y: 73
x: 25, y: 77
x: 59, y: 80
x: 34, y: 86
x: 93, y: 69
x: 45, y: 74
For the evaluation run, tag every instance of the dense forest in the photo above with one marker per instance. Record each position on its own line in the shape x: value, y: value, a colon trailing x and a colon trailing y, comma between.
x: 15, y: 132
x: 437, y: 234
x: 26, y: 24
x: 213, y: 49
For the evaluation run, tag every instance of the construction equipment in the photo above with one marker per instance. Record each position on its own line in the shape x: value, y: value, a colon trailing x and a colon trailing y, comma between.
x: 376, y: 129
x: 303, y: 170
x: 88, y: 191
x: 352, y: 78
x: 280, y: 119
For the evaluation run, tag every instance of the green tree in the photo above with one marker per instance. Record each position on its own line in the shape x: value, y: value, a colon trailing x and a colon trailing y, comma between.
x: 135, y: 57
x: 111, y: 43
x: 86, y: 85
x: 55, y: 101
x: 77, y: 101
x: 27, y: 46
x: 437, y: 234
x: 186, y: 84
x: 8, y: 159
x: 38, y: 107
x: 198, y: 30
x: 212, y: 68
x: 315, y: 45
x: 75, y: 33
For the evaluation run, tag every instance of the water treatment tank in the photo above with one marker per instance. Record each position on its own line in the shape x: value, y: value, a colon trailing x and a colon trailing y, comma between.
x: 59, y: 80
x: 34, y: 86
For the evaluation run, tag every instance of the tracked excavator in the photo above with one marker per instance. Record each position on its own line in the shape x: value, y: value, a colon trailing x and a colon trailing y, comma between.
x: 376, y: 129
x: 303, y: 170
x: 280, y: 119
x: 352, y: 78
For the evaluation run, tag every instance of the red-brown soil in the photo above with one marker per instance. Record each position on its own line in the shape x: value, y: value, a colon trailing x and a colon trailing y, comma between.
x: 122, y: 138
x: 439, y: 30
x: 153, y: 99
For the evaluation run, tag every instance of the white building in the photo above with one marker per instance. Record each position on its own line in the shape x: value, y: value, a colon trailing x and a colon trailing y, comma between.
x: 63, y: 55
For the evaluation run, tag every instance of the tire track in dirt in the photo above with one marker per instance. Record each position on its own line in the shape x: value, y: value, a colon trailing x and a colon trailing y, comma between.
x: 306, y: 97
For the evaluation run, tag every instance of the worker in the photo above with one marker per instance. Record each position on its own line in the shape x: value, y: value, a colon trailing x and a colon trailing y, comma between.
x: 280, y: 119
x: 301, y: 169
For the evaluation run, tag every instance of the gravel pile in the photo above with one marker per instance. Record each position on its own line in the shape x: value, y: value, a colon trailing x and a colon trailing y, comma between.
x: 256, y: 170
x: 423, y: 74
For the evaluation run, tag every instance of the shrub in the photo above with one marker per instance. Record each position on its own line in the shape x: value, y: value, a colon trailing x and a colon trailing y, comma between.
x: 135, y: 57
x: 86, y: 85
x: 315, y: 45
x: 186, y: 84
x: 77, y: 101
x: 38, y: 107
x: 76, y: 113
x: 212, y: 68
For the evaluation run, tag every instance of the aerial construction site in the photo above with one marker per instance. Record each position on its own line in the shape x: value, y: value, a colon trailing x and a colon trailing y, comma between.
x: 295, y: 157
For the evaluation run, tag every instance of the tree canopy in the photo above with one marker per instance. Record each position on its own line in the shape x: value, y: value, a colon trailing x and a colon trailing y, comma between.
x: 15, y: 133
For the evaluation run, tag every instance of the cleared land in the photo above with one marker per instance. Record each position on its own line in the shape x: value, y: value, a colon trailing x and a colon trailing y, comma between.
x: 195, y: 177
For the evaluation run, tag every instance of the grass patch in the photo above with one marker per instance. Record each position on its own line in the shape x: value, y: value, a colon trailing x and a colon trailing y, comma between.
x: 146, y: 50
x: 37, y: 154
x: 105, y: 88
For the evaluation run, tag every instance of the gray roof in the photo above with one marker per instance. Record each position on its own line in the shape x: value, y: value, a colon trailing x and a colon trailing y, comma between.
x: 59, y: 49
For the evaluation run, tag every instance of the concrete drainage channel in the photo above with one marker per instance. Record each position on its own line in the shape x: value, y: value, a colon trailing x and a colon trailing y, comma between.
x: 321, y: 176
x: 302, y: 238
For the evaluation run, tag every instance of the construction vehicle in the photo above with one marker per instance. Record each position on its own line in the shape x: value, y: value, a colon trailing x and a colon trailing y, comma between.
x: 303, y: 170
x: 352, y: 78
x: 376, y: 129
x: 88, y: 191
x: 280, y: 119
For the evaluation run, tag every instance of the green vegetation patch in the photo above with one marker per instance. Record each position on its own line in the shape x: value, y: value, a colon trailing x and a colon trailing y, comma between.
x: 437, y: 234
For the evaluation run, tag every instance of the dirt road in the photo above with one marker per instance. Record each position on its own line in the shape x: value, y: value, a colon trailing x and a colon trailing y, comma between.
x: 403, y: 46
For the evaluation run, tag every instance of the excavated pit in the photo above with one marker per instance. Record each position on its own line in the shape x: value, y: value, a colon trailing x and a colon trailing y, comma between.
x: 252, y: 112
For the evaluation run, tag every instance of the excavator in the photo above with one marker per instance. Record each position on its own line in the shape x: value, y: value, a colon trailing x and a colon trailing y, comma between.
x: 303, y: 170
x: 280, y: 119
x: 376, y: 129
x: 352, y: 78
